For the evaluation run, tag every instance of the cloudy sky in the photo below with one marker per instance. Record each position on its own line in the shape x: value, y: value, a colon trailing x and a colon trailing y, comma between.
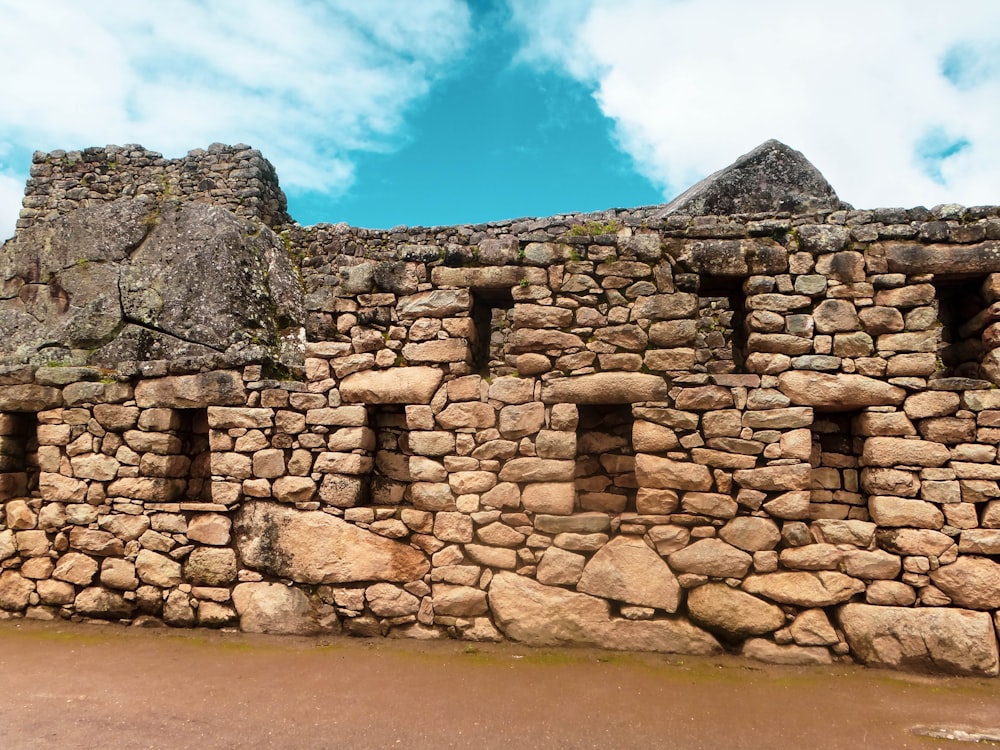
x: 386, y: 112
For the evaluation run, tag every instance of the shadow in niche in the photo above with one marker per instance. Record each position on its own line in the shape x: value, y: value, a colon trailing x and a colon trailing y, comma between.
x: 836, y: 476
x: 18, y: 455
x: 722, y: 331
x: 390, y: 479
x: 961, y: 313
x: 492, y: 311
x: 605, y: 463
x: 195, y: 458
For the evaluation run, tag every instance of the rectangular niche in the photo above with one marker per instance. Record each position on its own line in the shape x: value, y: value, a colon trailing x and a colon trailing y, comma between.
x: 18, y: 454
x: 194, y: 460
x: 722, y: 334
x: 492, y: 318
x: 836, y: 450
x: 605, y: 463
x: 389, y: 483
x: 961, y: 307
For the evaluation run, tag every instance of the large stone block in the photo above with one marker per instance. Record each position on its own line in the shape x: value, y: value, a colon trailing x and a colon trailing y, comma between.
x: 627, y: 570
x: 540, y: 615
x: 665, y: 473
x: 398, y: 385
x: 839, y: 392
x: 972, y: 582
x: 276, y: 608
x: 936, y: 639
x: 315, y: 547
x: 733, y: 613
x: 219, y: 388
x: 605, y: 388
x: 804, y: 588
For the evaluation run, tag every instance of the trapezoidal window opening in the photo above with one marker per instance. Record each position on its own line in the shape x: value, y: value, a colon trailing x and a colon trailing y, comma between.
x: 722, y: 333
x: 193, y: 463
x: 18, y: 455
x: 389, y: 483
x: 492, y: 311
x: 965, y: 325
x: 836, y: 449
x: 605, y: 460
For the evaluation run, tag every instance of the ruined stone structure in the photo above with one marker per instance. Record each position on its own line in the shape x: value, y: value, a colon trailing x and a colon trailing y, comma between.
x: 772, y: 432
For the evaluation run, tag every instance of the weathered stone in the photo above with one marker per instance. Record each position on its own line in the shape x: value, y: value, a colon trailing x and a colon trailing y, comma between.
x: 554, y: 498
x: 210, y: 566
x: 811, y: 557
x: 537, y: 470
x: 15, y: 591
x: 665, y: 473
x: 893, y: 451
x: 438, y: 303
x: 842, y: 392
x: 705, y: 398
x: 772, y: 177
x: 627, y: 570
x: 953, y: 641
x: 732, y: 613
x: 804, y: 588
x: 275, y: 608
x: 711, y: 557
x: 605, y: 388
x: 776, y: 478
x: 119, y: 574
x: 103, y: 604
x: 898, y: 511
x: 315, y: 547
x: 833, y: 316
x: 972, y: 582
x: 790, y: 654
x: 96, y: 542
x: 156, y: 569
x: 871, y: 564
x: 459, y: 601
x: 386, y: 600
x: 219, y: 388
x: 931, y: 404
x: 559, y: 567
x: 751, y: 534
x: 540, y: 615
x: 884, y: 481
x: 209, y: 528
x: 913, y: 541
x: 890, y: 594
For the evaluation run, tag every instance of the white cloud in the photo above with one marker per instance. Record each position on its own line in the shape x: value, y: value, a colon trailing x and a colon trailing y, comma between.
x: 11, y: 190
x: 308, y: 83
x: 857, y: 87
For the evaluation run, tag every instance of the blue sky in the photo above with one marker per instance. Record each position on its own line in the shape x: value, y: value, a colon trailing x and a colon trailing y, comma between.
x: 388, y: 112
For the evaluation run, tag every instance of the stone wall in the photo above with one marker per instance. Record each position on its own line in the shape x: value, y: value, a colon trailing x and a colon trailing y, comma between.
x: 235, y: 177
x: 775, y: 435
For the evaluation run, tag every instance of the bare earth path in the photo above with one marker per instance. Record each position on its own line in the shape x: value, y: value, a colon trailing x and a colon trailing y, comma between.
x: 94, y: 687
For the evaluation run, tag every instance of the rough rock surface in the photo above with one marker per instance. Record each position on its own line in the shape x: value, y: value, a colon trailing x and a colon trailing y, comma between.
x: 315, y: 547
x: 140, y: 280
x: 732, y: 612
x: 955, y: 641
x: 627, y: 570
x: 539, y: 615
x: 275, y: 608
x: 772, y: 177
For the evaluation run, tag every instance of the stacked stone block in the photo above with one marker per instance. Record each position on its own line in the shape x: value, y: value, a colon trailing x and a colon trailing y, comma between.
x: 681, y: 434
x: 236, y: 177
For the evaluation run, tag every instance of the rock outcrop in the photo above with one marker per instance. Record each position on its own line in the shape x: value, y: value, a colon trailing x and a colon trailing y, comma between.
x: 136, y: 280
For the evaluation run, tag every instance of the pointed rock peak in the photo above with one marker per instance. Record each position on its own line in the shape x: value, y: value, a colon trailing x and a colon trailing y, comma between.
x: 771, y: 178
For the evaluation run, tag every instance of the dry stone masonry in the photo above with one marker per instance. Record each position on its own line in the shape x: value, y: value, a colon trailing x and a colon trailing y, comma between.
x: 771, y: 432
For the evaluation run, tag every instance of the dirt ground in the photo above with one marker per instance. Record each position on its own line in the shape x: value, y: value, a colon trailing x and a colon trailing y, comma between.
x: 88, y: 686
